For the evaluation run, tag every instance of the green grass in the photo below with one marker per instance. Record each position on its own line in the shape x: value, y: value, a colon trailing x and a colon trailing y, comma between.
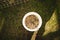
x: 13, y: 29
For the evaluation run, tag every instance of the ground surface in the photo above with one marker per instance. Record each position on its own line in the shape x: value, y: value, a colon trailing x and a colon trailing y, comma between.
x: 11, y: 27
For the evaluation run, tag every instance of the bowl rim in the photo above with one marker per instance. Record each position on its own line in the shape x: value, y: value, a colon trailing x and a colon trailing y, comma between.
x: 39, y: 18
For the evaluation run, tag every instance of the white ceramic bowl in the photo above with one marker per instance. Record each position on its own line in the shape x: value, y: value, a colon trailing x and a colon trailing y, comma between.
x: 39, y: 18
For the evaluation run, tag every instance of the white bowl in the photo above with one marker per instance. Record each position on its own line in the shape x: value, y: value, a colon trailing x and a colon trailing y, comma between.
x: 39, y: 18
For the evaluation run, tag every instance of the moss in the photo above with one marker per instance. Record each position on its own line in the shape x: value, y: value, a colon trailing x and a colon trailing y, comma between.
x: 12, y: 28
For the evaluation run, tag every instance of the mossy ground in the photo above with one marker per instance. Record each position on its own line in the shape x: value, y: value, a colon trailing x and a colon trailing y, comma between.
x: 12, y: 28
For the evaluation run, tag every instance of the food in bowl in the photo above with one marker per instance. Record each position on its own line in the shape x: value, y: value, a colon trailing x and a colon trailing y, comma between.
x: 31, y: 21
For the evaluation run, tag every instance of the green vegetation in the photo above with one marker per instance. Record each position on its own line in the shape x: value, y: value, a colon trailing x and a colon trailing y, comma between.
x: 11, y: 19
